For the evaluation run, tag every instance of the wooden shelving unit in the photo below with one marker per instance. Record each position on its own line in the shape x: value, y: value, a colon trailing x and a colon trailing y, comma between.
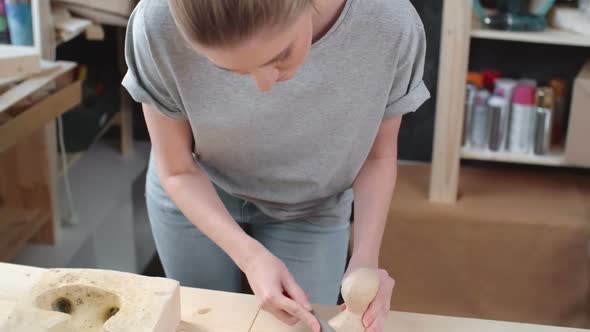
x: 554, y: 158
x: 459, y: 28
x: 550, y: 36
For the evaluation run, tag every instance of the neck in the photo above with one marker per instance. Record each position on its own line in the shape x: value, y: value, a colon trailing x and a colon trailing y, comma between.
x: 325, y: 15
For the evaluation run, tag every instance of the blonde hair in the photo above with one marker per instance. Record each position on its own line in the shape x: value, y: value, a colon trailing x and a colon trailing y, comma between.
x: 217, y: 23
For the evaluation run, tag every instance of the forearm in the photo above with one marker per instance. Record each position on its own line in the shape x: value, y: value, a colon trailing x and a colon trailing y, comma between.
x: 373, y: 190
x: 195, y: 196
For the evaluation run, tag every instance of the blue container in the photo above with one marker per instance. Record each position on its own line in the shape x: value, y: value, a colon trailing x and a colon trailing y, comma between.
x: 20, y: 23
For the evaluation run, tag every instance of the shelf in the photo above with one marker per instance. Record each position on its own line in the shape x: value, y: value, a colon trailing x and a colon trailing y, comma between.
x: 554, y: 158
x: 17, y: 227
x: 550, y: 36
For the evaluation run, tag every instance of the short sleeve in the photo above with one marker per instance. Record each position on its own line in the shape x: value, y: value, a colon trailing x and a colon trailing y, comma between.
x: 408, y: 91
x: 146, y: 80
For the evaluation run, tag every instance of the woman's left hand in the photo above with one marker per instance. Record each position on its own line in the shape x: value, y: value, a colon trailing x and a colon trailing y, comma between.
x: 376, y: 315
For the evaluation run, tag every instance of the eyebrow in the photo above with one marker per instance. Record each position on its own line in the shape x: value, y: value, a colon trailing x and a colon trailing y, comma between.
x: 285, y: 53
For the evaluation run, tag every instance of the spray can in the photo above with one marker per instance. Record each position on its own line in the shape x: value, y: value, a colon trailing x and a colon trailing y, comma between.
x: 545, y: 102
x: 522, y: 121
x: 469, y: 104
x: 480, y: 123
x: 528, y: 82
x: 505, y: 88
x: 560, y: 94
x: 498, y: 107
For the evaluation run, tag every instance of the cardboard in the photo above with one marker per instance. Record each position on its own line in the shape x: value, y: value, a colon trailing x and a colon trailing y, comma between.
x: 513, y: 248
x: 577, y: 152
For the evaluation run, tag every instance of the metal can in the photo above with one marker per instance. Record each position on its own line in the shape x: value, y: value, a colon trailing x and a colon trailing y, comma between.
x: 471, y: 91
x: 542, y: 131
x: 480, y: 124
x: 499, y: 112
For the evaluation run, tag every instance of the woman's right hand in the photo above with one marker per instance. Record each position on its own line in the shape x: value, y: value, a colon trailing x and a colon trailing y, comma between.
x: 277, y: 290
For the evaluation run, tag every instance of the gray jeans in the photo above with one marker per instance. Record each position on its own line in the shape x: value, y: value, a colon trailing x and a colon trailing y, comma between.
x: 314, y: 252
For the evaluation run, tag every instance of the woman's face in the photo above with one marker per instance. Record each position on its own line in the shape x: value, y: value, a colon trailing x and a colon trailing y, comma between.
x: 270, y: 56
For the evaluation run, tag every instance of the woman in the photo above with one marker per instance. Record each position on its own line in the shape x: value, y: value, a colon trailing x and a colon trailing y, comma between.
x: 266, y: 116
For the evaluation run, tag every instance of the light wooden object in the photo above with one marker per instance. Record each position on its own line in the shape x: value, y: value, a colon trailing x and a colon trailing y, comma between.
x: 454, y: 57
x: 240, y: 313
x: 95, y: 32
x: 20, y: 92
x: 206, y: 310
x: 19, y: 61
x: 72, y: 300
x: 119, y: 7
x: 408, y: 322
x: 126, y: 117
x: 38, y: 115
x: 576, y: 152
x: 43, y: 29
x: 358, y: 291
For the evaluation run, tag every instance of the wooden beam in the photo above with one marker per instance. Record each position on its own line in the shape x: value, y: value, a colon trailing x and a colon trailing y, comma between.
x: 18, y: 61
x: 32, y: 85
x: 126, y: 108
x: 454, y: 61
x: 39, y: 115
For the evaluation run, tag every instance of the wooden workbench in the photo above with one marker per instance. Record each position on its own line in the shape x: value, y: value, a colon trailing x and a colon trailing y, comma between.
x: 212, y: 311
x: 28, y: 154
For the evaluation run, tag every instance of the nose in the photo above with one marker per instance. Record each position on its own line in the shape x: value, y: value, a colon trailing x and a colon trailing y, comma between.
x: 265, y: 77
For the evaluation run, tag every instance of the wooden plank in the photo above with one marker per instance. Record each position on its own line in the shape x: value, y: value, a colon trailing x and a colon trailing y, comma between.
x: 32, y: 85
x: 18, y: 61
x: 39, y: 115
x: 46, y: 68
x: 95, y: 32
x: 16, y: 228
x: 43, y: 29
x: 126, y: 109
x: 227, y: 311
x: 411, y: 322
x: 120, y: 7
x: 454, y: 58
x: 212, y: 311
x: 99, y: 16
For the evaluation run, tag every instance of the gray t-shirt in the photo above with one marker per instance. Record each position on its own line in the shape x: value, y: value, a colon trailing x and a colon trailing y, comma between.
x: 296, y: 150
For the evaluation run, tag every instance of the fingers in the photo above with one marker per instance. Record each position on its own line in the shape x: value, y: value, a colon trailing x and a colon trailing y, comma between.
x: 298, y: 311
x: 283, y: 316
x: 378, y: 325
x: 289, y: 311
x: 295, y: 292
x: 381, y: 304
x: 373, y: 313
